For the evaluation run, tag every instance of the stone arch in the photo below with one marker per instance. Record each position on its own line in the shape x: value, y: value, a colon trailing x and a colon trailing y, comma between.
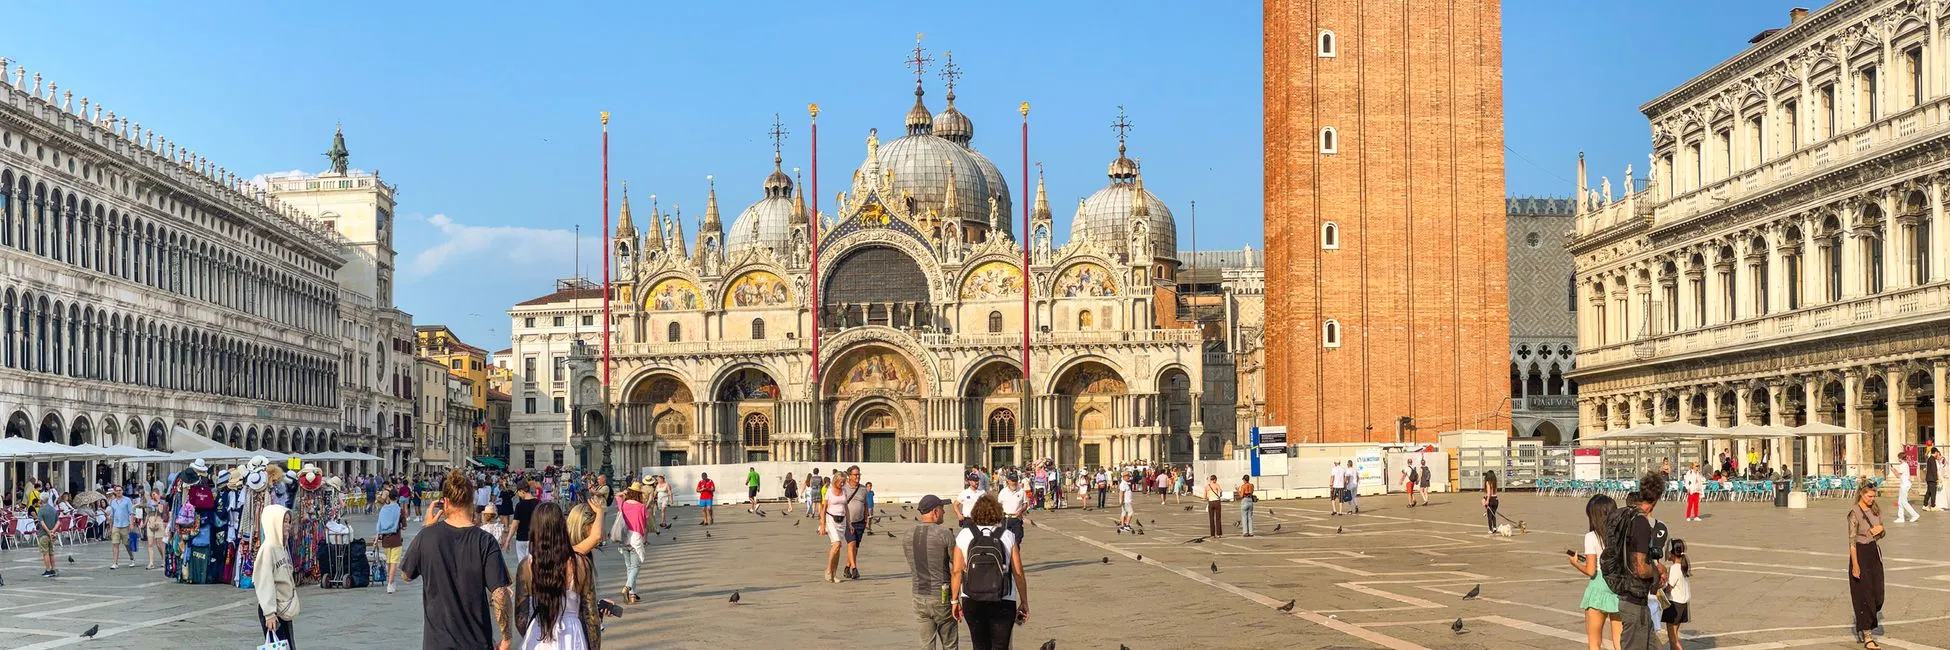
x: 52, y: 429
x: 877, y: 284
x: 158, y: 437
x: 991, y: 385
x: 1549, y: 432
x: 1072, y: 363
x: 1175, y: 408
x: 111, y: 432
x: 1089, y: 389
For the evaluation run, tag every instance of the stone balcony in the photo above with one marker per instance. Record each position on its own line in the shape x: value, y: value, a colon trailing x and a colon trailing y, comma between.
x: 1891, y: 308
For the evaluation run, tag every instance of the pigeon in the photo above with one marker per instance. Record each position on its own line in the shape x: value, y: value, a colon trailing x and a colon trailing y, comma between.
x: 3, y: 581
x: 1456, y: 626
x: 1276, y: 527
x: 1154, y: 522
x: 1049, y: 645
x: 903, y: 517
x: 70, y: 559
x: 1188, y: 508
x: 1215, y: 567
x: 1473, y: 592
x: 1198, y: 540
x: 890, y: 534
x: 707, y: 534
x: 1121, y: 646
x: 1337, y: 530
x: 1288, y: 607
x: 1106, y: 559
x: 761, y: 513
x: 92, y: 629
x: 1269, y: 512
x: 795, y: 523
x: 734, y: 597
x: 907, y: 507
x: 1140, y: 557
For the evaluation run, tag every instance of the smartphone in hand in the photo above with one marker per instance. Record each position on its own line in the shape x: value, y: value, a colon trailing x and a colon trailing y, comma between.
x: 1570, y: 552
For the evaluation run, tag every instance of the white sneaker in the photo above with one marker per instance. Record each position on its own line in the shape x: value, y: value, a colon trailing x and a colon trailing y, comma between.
x: 390, y: 587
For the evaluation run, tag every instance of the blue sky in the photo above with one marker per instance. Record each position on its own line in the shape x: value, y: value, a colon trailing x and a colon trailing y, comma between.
x: 484, y: 114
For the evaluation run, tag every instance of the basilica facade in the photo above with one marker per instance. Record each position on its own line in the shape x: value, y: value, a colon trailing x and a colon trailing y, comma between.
x: 891, y: 329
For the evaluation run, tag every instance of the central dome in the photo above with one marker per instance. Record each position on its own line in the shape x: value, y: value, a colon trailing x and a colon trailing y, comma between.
x: 922, y: 161
x: 921, y: 164
x: 767, y: 223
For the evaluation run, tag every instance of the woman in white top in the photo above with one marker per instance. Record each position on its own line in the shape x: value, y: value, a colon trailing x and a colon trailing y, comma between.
x: 990, y: 622
x: 1679, y: 591
x: 1695, y: 489
x: 832, y: 524
x: 1599, y: 604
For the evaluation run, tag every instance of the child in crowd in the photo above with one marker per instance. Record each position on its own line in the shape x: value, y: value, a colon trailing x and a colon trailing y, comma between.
x: 1679, y: 591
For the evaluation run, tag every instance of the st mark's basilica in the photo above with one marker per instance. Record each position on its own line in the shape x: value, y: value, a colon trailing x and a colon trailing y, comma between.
x: 920, y: 285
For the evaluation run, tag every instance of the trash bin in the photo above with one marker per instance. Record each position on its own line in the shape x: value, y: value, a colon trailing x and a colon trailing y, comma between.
x: 1781, y: 489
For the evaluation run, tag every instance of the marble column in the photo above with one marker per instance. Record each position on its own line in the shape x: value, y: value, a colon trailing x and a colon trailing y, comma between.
x: 1852, y: 418
x: 1899, y: 419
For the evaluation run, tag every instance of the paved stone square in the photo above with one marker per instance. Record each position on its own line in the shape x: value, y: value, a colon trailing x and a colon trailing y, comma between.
x: 1390, y: 577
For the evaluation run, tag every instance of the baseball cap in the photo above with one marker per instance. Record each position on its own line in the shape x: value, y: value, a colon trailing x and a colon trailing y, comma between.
x: 929, y: 503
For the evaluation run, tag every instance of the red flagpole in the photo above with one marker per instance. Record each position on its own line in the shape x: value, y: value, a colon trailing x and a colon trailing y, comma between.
x: 606, y: 249
x: 1025, y: 236
x: 812, y: 111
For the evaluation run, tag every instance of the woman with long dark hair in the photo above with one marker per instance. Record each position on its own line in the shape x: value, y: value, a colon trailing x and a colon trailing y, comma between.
x: 1600, y: 604
x: 1865, y: 588
x: 554, y: 595
x: 1489, y: 499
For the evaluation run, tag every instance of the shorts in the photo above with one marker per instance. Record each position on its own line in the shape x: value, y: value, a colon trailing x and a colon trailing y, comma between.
x: 1126, y: 510
x: 703, y: 503
x: 751, y: 493
x: 119, y: 536
x: 1013, y: 525
x: 856, y: 531
x: 393, y: 554
x: 835, y: 532
x: 46, y: 544
x: 1675, y: 614
x: 154, y: 532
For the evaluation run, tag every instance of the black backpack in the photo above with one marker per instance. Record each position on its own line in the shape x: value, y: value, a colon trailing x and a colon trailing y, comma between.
x: 1615, y: 562
x: 988, y: 578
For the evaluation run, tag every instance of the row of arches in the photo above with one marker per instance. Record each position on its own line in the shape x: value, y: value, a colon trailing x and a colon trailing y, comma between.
x: 66, y: 226
x: 153, y: 434
x: 1538, y: 379
x: 39, y: 334
x: 879, y: 412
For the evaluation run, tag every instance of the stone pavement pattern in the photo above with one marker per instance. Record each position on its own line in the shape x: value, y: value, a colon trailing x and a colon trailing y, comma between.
x: 1393, y: 577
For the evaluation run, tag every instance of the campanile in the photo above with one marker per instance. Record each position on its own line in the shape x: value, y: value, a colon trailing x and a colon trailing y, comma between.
x: 1385, y: 283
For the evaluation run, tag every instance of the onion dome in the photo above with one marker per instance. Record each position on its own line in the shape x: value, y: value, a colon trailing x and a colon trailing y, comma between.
x: 919, y: 122
x: 1105, y: 216
x: 767, y: 223
x: 952, y: 125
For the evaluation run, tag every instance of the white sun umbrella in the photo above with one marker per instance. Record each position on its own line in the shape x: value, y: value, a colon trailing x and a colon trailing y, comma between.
x: 1751, y: 430
x: 1823, y: 429
x: 134, y: 455
x: 24, y: 449
x: 1678, y: 431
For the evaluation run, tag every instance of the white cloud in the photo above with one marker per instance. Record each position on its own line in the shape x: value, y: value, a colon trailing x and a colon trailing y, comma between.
x: 498, y: 247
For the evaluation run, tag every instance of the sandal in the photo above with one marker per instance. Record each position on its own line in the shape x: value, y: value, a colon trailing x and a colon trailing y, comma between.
x: 1871, y: 645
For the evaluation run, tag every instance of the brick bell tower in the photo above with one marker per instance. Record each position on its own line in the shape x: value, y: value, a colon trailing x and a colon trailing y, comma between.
x: 1386, y: 306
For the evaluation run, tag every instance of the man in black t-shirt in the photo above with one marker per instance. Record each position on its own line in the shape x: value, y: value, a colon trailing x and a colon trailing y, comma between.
x: 524, y: 510
x: 468, y: 595
x: 1639, y: 560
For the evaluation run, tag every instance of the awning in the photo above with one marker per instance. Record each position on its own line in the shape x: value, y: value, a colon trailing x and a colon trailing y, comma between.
x: 489, y: 462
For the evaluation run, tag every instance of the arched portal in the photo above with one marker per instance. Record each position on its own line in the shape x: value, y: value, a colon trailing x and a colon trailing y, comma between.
x: 742, y: 393
x: 996, y: 388
x: 1175, y: 411
x: 158, y: 439
x: 655, y: 416
x: 1090, y: 393
x: 875, y: 374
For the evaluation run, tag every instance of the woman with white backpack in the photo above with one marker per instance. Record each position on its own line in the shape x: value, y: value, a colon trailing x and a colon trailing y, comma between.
x: 632, y: 523
x: 991, y: 592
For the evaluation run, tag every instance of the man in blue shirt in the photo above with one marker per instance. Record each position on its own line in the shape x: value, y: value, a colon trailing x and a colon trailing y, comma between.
x: 121, y: 512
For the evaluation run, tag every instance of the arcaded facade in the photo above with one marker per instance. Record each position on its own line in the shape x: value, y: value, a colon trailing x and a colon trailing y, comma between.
x: 1786, y: 263
x: 920, y: 308
x: 1385, y: 285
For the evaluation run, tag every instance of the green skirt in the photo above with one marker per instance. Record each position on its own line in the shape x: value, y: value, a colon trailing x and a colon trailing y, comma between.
x: 1598, y: 596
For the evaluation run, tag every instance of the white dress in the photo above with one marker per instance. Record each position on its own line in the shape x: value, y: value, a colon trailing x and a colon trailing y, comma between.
x: 568, y: 629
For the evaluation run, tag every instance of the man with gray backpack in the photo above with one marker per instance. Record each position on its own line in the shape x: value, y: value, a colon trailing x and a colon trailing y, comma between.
x: 1630, y: 563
